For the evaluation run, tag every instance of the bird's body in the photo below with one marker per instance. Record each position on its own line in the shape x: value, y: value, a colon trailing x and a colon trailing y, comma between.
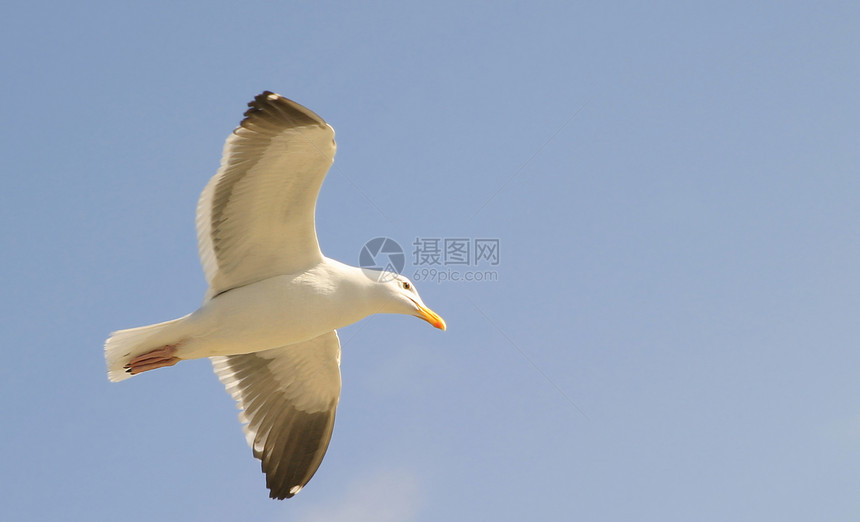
x: 274, y: 302
x: 277, y: 311
x: 283, y: 310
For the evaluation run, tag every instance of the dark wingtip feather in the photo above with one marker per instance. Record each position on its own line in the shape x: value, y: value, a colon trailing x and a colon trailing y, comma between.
x: 276, y: 496
x: 272, y: 109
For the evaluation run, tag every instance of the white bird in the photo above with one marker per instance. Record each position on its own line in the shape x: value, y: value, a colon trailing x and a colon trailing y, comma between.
x: 274, y: 302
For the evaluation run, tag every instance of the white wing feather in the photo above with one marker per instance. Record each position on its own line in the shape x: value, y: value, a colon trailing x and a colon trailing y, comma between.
x: 255, y: 218
x: 288, y: 397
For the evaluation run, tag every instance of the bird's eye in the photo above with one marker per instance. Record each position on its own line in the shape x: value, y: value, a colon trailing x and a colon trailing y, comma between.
x: 405, y: 285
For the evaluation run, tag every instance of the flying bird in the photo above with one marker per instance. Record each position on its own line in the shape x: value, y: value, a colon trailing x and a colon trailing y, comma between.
x: 269, y: 318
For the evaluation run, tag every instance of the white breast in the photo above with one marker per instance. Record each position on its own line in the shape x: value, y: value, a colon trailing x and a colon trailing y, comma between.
x: 275, y: 312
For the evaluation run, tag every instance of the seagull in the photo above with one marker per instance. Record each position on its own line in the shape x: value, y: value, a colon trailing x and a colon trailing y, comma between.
x: 268, y: 321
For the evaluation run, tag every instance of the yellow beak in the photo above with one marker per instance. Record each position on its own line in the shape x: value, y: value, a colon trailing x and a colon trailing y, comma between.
x: 431, y: 317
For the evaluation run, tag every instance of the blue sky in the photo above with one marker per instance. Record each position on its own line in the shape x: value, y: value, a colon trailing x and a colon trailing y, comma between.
x: 673, y: 330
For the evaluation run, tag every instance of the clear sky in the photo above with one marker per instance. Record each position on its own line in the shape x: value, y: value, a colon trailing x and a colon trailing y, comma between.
x: 670, y: 333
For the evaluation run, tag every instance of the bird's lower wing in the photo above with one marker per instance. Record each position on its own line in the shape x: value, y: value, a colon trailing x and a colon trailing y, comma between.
x: 288, y: 397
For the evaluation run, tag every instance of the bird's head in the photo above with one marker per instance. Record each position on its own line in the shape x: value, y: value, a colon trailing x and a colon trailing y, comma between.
x: 401, y: 297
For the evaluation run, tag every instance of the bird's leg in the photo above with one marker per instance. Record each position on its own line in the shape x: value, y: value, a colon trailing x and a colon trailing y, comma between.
x: 158, y: 358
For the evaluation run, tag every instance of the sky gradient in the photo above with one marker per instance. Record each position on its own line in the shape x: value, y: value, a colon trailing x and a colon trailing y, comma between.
x: 671, y: 331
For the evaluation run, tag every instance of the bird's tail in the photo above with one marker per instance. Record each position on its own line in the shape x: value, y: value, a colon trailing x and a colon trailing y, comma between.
x: 124, y: 345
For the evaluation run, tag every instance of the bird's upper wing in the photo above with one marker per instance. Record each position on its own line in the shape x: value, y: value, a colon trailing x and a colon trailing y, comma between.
x: 255, y: 218
x: 288, y: 396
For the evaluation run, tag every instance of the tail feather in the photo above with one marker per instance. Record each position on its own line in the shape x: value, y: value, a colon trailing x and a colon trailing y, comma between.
x: 124, y: 345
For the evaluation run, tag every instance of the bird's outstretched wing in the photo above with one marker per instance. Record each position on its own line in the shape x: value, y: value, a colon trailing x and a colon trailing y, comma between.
x: 288, y: 397
x: 255, y: 218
